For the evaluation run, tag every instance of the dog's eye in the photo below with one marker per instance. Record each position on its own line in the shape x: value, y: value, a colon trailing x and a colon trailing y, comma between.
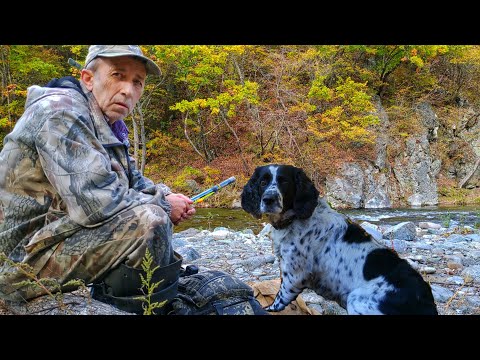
x: 263, y: 183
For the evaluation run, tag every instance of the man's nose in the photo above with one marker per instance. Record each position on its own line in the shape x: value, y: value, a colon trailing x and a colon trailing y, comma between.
x: 127, y: 88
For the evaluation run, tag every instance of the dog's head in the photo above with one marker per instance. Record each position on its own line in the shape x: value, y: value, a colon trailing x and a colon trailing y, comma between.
x: 276, y: 189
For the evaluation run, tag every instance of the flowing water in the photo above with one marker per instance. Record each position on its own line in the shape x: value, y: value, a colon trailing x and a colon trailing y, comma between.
x: 237, y: 219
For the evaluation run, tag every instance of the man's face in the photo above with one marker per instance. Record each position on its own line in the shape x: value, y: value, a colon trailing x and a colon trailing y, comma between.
x: 117, y: 85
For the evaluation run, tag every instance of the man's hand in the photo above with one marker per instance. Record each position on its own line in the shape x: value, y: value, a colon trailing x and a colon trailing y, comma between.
x: 182, y: 208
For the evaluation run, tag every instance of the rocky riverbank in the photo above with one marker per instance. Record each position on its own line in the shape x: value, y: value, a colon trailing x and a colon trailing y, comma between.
x: 447, y: 257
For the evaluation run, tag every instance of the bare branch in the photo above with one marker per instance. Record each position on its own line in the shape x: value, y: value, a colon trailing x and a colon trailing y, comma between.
x: 185, y: 131
x: 238, y: 141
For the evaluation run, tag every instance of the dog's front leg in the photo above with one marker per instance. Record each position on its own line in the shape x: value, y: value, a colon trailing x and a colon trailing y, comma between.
x: 288, y: 292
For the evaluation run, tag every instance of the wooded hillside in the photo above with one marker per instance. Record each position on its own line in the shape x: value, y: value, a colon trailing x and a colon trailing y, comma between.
x: 219, y: 111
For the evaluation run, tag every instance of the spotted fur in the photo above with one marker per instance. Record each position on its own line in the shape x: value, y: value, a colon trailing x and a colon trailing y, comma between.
x: 325, y: 251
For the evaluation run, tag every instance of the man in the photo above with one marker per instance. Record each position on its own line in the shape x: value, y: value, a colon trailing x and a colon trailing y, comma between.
x: 72, y: 204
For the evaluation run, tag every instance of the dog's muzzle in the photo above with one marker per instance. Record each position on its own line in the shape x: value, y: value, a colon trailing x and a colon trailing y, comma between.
x: 271, y: 203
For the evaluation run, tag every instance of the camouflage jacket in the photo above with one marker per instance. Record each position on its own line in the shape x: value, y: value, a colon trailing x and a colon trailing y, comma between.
x: 61, y: 169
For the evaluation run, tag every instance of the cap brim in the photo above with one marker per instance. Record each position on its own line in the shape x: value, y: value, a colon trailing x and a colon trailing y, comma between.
x: 152, y: 68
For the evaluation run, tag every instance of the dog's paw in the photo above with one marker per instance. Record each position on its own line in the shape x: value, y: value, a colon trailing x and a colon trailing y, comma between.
x: 269, y: 308
x: 274, y: 307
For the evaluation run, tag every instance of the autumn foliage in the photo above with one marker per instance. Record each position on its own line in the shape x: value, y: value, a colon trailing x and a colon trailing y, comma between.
x: 219, y: 111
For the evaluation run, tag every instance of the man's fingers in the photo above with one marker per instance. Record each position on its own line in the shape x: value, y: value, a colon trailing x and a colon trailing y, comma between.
x: 186, y: 198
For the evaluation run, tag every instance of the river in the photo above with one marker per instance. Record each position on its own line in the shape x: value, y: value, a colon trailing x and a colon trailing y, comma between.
x: 237, y: 219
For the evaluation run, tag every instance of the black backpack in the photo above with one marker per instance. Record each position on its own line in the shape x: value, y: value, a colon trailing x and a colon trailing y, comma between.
x: 214, y: 292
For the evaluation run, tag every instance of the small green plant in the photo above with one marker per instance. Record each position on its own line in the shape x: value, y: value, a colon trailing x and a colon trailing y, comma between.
x: 148, y: 288
x: 210, y: 217
x: 47, y: 285
x: 446, y: 218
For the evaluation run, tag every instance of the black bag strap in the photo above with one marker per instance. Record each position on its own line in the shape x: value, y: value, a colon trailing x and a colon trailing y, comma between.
x: 126, y: 281
x: 134, y: 305
x: 257, y: 309
x: 218, y: 306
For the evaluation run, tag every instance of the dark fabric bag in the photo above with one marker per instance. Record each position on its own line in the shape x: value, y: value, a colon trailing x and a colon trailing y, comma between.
x: 122, y: 287
x: 214, y: 292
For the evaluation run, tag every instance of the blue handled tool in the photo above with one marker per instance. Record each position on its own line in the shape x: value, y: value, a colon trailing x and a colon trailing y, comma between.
x: 205, y: 194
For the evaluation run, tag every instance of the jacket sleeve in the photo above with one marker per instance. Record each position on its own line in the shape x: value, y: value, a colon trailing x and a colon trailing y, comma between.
x: 79, y: 168
x: 141, y: 182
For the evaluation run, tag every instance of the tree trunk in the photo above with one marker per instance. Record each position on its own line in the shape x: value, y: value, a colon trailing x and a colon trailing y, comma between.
x: 185, y: 131
x: 5, y: 71
x: 245, y: 165
x: 142, y: 139
x: 135, y: 138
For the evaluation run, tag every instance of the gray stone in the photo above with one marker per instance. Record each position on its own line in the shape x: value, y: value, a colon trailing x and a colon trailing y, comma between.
x: 427, y: 270
x: 310, y: 296
x: 236, y: 204
x: 474, y: 301
x: 258, y: 272
x: 316, y: 307
x: 421, y: 245
x: 475, y: 254
x: 188, y: 253
x: 473, y: 272
x: 346, y: 189
x: 473, y: 237
x: 402, y: 231
x: 457, y: 280
x: 428, y: 225
x: 377, y: 235
x: 256, y: 261
x: 332, y: 308
x: 187, y: 233
x: 399, y: 246
x: 179, y: 242
x: 414, y: 171
x: 455, y: 258
x: 248, y: 232
x: 440, y: 293
x: 454, y: 238
x: 375, y: 189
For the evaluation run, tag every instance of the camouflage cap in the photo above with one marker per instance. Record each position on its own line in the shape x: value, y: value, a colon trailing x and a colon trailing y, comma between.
x: 121, y: 50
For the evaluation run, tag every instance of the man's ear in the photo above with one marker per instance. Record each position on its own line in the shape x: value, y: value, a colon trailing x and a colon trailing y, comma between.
x: 87, y: 78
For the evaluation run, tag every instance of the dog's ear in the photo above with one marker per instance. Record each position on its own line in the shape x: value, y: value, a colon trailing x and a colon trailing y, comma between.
x: 251, y: 195
x: 306, y: 195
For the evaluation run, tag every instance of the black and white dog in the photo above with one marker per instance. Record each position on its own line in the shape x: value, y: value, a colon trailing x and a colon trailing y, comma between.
x: 321, y: 249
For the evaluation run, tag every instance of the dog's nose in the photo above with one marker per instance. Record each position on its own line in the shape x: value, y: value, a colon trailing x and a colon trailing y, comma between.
x: 269, y: 199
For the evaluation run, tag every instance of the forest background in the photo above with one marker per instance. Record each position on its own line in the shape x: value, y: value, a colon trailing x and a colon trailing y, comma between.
x: 219, y: 111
